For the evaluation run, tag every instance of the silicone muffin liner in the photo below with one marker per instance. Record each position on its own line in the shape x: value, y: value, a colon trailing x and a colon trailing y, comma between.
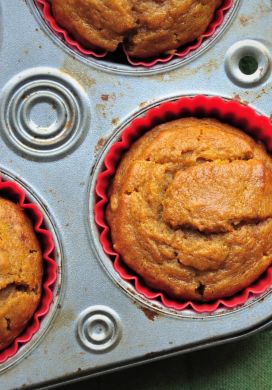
x: 46, y: 9
x: 15, y: 193
x: 228, y: 111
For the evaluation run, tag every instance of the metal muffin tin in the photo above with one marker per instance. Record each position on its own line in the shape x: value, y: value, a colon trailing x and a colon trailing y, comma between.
x: 59, y: 114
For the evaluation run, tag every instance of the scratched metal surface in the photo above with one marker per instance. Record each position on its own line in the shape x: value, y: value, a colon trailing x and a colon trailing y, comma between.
x: 40, y: 81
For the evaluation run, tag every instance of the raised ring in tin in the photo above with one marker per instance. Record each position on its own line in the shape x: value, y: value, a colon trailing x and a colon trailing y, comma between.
x: 43, y: 112
x: 99, y: 328
x: 248, y: 62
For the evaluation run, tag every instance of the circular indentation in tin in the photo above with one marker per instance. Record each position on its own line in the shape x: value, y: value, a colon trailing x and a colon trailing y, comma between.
x: 56, y: 289
x: 44, y: 113
x: 99, y: 328
x: 248, y: 65
x: 115, y: 62
x: 248, y: 62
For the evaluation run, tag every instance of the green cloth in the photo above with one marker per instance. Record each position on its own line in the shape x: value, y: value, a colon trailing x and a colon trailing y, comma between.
x: 243, y: 365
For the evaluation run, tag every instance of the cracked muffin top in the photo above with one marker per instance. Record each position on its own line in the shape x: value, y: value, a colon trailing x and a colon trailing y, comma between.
x: 146, y: 27
x: 20, y: 271
x: 190, y: 209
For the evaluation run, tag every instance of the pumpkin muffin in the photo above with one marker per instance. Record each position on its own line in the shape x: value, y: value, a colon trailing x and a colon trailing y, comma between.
x: 146, y: 27
x: 20, y: 271
x: 190, y: 209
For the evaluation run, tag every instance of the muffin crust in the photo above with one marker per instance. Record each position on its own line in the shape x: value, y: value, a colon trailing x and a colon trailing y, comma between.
x: 146, y: 27
x: 20, y: 271
x: 191, y: 209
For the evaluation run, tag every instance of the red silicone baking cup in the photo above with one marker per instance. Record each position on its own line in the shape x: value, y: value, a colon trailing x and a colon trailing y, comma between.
x: 228, y: 111
x: 46, y: 9
x: 15, y: 193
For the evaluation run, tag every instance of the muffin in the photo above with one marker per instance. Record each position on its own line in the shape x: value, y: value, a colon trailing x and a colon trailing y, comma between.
x: 147, y: 28
x: 20, y: 271
x: 190, y: 209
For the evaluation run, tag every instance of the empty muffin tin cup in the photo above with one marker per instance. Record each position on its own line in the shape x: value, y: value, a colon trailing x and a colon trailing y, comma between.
x: 122, y: 56
x: 226, y: 111
x: 13, y: 192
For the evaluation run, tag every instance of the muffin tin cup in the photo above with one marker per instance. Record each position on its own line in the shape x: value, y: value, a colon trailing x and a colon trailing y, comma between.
x: 13, y: 192
x: 46, y: 10
x: 227, y: 111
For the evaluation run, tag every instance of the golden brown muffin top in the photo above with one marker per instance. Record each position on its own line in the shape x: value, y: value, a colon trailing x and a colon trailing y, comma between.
x: 191, y: 209
x: 20, y: 271
x: 146, y: 27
